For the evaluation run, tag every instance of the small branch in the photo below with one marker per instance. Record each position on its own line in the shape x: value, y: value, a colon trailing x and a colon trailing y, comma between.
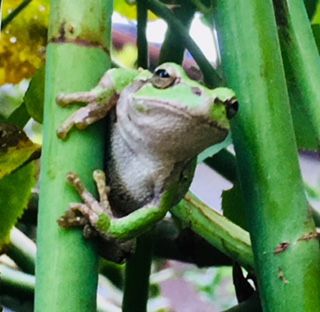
x: 216, y: 229
x: 16, y: 282
x: 210, y: 75
x: 22, y: 250
x: 138, y: 267
x: 14, y: 13
x: 173, y: 47
x: 142, y: 43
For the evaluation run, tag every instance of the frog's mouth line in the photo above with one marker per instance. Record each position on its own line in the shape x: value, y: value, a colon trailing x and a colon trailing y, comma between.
x: 178, y: 109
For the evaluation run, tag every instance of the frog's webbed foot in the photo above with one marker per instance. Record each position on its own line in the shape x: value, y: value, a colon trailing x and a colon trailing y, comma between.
x: 87, y: 215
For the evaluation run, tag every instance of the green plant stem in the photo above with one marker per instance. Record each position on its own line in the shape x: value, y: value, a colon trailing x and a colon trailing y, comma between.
x: 15, y: 282
x: 302, y: 66
x: 210, y: 75
x: 77, y: 56
x: 282, y: 232
x: 22, y: 250
x: 138, y: 267
x: 6, y: 21
x: 173, y: 47
x: 216, y: 229
x: 142, y: 43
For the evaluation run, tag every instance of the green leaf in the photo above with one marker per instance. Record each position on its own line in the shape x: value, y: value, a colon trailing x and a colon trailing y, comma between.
x: 311, y: 7
x: 15, y: 148
x: 15, y: 192
x: 214, y: 149
x: 34, y: 97
x: 233, y: 206
x: 19, y: 117
x: 316, y: 34
x: 11, y: 97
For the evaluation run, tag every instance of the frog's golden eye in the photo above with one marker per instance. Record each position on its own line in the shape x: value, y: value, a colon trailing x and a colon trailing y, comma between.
x: 162, y: 79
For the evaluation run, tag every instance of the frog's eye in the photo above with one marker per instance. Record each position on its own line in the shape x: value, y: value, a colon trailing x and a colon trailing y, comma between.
x: 162, y: 79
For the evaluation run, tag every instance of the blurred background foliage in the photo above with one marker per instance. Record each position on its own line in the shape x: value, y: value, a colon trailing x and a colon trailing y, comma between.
x: 22, y: 56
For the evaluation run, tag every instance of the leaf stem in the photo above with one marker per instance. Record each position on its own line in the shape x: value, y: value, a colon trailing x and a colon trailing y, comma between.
x: 210, y: 75
x: 6, y: 21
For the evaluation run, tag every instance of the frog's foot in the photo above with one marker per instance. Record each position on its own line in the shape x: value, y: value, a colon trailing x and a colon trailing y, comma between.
x: 91, y: 209
x: 82, y: 118
x: 94, y: 216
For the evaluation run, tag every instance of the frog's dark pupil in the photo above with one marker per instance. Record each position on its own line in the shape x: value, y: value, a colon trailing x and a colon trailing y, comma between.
x: 162, y: 73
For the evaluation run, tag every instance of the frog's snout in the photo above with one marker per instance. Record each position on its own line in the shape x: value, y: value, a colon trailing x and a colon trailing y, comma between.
x: 232, y: 107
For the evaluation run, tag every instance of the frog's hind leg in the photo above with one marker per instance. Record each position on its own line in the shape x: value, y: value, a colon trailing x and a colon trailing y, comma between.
x: 83, y: 117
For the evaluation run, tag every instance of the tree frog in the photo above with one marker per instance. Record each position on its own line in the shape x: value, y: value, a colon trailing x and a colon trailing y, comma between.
x: 158, y: 123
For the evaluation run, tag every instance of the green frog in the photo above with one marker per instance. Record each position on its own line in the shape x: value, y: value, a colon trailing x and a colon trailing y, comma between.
x: 158, y: 123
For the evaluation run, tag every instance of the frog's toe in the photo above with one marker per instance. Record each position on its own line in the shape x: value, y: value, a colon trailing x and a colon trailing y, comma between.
x: 73, y: 217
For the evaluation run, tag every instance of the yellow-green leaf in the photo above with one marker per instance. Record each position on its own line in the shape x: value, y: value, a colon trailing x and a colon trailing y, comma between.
x: 15, y: 192
x: 15, y: 148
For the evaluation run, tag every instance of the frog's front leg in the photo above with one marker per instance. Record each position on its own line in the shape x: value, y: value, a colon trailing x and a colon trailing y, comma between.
x: 99, y: 216
x: 84, y: 117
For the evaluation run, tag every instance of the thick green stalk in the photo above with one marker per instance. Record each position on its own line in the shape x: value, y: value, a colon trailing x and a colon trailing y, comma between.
x: 302, y: 67
x: 216, y: 229
x: 136, y: 288
x: 77, y: 56
x: 282, y: 231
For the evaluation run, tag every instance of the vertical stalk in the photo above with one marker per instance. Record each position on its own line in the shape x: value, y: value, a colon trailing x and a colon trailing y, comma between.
x: 142, y: 43
x: 282, y: 231
x: 77, y: 56
x: 173, y: 47
x: 302, y: 68
x: 136, y: 287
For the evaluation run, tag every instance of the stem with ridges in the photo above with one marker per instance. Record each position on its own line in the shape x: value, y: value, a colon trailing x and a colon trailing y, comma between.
x: 77, y: 57
x: 286, y: 263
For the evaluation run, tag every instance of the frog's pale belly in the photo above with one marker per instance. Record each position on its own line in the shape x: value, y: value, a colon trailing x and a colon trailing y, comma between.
x: 137, y: 179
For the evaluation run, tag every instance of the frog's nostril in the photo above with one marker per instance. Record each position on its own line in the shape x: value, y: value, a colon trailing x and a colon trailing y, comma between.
x: 196, y: 91
x: 232, y: 107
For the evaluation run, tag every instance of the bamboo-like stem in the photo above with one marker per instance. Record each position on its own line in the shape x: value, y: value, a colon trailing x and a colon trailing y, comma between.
x: 142, y: 43
x: 210, y: 75
x: 282, y: 231
x: 216, y: 229
x: 302, y: 65
x: 77, y: 56
x: 136, y: 288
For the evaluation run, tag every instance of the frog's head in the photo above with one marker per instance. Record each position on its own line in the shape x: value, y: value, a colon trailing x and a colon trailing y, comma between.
x: 179, y: 116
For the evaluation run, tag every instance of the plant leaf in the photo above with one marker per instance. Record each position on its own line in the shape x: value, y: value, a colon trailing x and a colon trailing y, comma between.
x: 15, y: 148
x: 233, y: 206
x: 15, y: 192
x: 34, y: 97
